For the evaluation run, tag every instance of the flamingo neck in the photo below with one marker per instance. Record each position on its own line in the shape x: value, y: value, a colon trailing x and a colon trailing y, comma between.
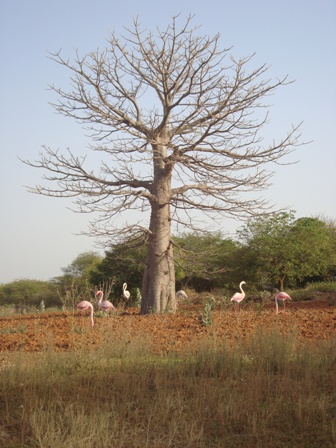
x: 92, y: 322
x: 100, y: 294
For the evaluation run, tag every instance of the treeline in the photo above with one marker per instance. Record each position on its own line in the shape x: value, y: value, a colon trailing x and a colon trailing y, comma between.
x: 271, y: 251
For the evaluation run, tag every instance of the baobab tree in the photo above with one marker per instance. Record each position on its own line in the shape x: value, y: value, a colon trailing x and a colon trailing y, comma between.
x: 177, y: 121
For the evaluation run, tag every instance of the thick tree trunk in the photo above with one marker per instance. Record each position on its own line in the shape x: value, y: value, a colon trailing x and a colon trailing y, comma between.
x: 158, y: 287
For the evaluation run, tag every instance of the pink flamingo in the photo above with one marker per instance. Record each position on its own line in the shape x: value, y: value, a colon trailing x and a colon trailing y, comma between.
x: 85, y: 305
x: 239, y: 296
x: 105, y: 305
x: 281, y: 296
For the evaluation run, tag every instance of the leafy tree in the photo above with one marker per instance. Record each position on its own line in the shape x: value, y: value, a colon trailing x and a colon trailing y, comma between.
x: 125, y: 262
x: 178, y: 123
x: 267, y: 255
x: 29, y: 293
x: 278, y: 247
x: 331, y: 226
x: 205, y: 261
x: 82, y: 265
x: 76, y: 278
x: 75, y: 284
x: 314, y: 249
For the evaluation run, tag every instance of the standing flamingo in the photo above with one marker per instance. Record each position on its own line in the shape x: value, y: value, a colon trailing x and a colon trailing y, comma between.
x: 126, y: 294
x: 239, y: 296
x: 85, y: 305
x: 281, y: 296
x: 105, y: 305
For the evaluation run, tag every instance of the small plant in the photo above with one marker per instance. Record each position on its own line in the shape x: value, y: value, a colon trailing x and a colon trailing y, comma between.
x: 100, y: 314
x: 206, y: 317
x: 42, y: 306
x: 138, y: 298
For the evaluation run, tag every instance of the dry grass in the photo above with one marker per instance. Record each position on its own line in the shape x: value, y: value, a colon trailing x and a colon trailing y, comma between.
x: 267, y: 393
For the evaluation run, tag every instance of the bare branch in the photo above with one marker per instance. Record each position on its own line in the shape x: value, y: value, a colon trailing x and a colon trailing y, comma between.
x: 178, y: 122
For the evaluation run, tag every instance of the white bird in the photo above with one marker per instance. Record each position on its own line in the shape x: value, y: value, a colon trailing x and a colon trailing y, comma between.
x: 126, y: 294
x: 181, y: 294
x: 106, y: 305
x: 239, y: 296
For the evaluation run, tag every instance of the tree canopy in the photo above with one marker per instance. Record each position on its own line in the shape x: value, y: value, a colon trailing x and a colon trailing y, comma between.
x: 25, y: 292
x: 279, y: 247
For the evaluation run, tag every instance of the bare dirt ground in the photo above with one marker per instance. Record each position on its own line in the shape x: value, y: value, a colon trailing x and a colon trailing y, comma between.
x: 167, y: 333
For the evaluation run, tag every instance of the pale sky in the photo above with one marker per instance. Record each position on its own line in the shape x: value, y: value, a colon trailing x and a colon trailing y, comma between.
x: 39, y: 235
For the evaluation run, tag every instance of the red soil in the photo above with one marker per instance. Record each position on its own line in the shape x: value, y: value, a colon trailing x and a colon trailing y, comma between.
x: 308, y: 321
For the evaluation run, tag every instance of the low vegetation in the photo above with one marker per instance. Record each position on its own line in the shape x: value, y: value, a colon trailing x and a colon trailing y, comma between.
x: 271, y: 388
x: 269, y: 393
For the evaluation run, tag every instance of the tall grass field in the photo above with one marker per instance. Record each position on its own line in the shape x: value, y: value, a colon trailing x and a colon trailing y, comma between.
x: 270, y: 392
